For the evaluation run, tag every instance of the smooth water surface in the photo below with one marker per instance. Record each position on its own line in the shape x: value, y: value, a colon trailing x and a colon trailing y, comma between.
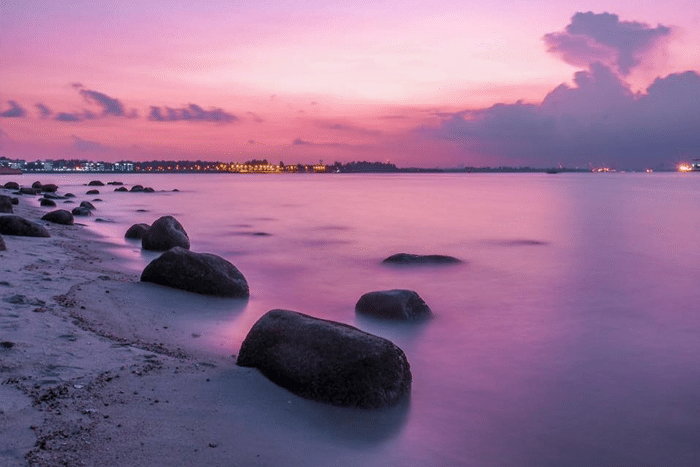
x: 570, y: 336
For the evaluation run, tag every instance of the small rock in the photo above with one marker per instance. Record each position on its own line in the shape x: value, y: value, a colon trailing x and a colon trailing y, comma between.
x: 60, y: 216
x: 398, y: 304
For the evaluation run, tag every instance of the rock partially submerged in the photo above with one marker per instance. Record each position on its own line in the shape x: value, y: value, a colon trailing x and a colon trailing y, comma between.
x: 164, y: 234
x: 121, y: 188
x: 201, y: 273
x: 2, y: 244
x: 136, y: 231
x: 137, y: 188
x: 81, y: 211
x: 96, y: 183
x: 59, y: 216
x: 16, y: 225
x: 6, y: 204
x: 327, y: 361
x: 411, y: 259
x: 11, y: 185
x: 49, y: 188
x: 398, y: 304
x: 88, y: 205
x: 92, y: 192
x: 47, y: 202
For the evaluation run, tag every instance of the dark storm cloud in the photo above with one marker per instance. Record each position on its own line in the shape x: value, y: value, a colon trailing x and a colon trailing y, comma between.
x: 15, y: 111
x: 192, y: 112
x: 599, y: 120
x: 603, y: 38
x: 44, y: 112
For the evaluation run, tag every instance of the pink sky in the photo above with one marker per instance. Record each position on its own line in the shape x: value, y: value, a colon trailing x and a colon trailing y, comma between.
x: 411, y: 82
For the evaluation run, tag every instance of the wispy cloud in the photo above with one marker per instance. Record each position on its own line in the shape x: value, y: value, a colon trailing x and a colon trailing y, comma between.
x: 85, y: 145
x: 603, y: 38
x: 192, y: 112
x: 44, y: 112
x: 75, y: 116
x: 15, y: 111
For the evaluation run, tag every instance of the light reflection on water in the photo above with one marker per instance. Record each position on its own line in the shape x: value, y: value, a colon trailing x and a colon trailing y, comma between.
x: 570, y: 335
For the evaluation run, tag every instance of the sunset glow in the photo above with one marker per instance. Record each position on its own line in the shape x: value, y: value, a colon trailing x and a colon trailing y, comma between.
x: 446, y: 84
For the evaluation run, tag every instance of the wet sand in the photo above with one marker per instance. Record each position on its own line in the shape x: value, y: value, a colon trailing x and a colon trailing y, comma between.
x: 94, y: 370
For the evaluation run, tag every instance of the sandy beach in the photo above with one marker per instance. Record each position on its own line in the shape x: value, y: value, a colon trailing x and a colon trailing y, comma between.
x: 92, y: 372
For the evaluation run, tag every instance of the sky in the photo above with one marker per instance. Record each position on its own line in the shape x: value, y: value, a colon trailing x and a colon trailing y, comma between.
x: 423, y: 84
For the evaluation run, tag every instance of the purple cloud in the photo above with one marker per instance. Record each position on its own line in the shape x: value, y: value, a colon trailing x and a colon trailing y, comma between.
x: 591, y: 38
x: 44, y: 112
x: 192, y: 112
x: 75, y: 116
x: 299, y: 142
x: 599, y: 120
x: 110, y: 105
x: 15, y: 111
x: 85, y: 145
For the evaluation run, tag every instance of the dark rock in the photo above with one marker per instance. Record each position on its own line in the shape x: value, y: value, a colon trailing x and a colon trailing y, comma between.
x: 47, y: 202
x: 164, y: 234
x: 16, y: 225
x: 96, y: 183
x: 121, y: 188
x: 136, y: 188
x: 6, y: 204
x: 36, y: 185
x: 326, y: 361
x: 175, y: 189
x: 97, y: 200
x: 92, y: 192
x: 410, y: 259
x: 27, y: 191
x: 87, y: 204
x: 148, y: 189
x: 136, y: 231
x: 14, y: 200
x: 52, y: 196
x: 115, y: 183
x: 11, y: 185
x: 59, y: 216
x: 399, y: 304
x: 69, y: 195
x: 81, y: 211
x: 2, y: 244
x: 49, y: 188
x: 68, y: 202
x: 200, y: 273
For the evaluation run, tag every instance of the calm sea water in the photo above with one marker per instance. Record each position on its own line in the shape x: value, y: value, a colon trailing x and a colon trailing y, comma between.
x: 569, y: 337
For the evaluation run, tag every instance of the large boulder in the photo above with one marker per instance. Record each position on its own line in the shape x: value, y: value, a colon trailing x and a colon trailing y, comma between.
x: 200, y: 273
x: 398, y: 304
x: 411, y: 259
x: 326, y: 361
x: 137, y: 188
x: 49, y: 188
x: 16, y: 225
x: 6, y: 204
x: 137, y: 231
x: 165, y: 233
x: 36, y: 185
x: 2, y: 244
x: 11, y: 185
x: 47, y: 202
x: 59, y: 216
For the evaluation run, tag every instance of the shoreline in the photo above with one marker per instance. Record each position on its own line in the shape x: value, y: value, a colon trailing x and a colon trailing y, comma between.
x: 92, y: 373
